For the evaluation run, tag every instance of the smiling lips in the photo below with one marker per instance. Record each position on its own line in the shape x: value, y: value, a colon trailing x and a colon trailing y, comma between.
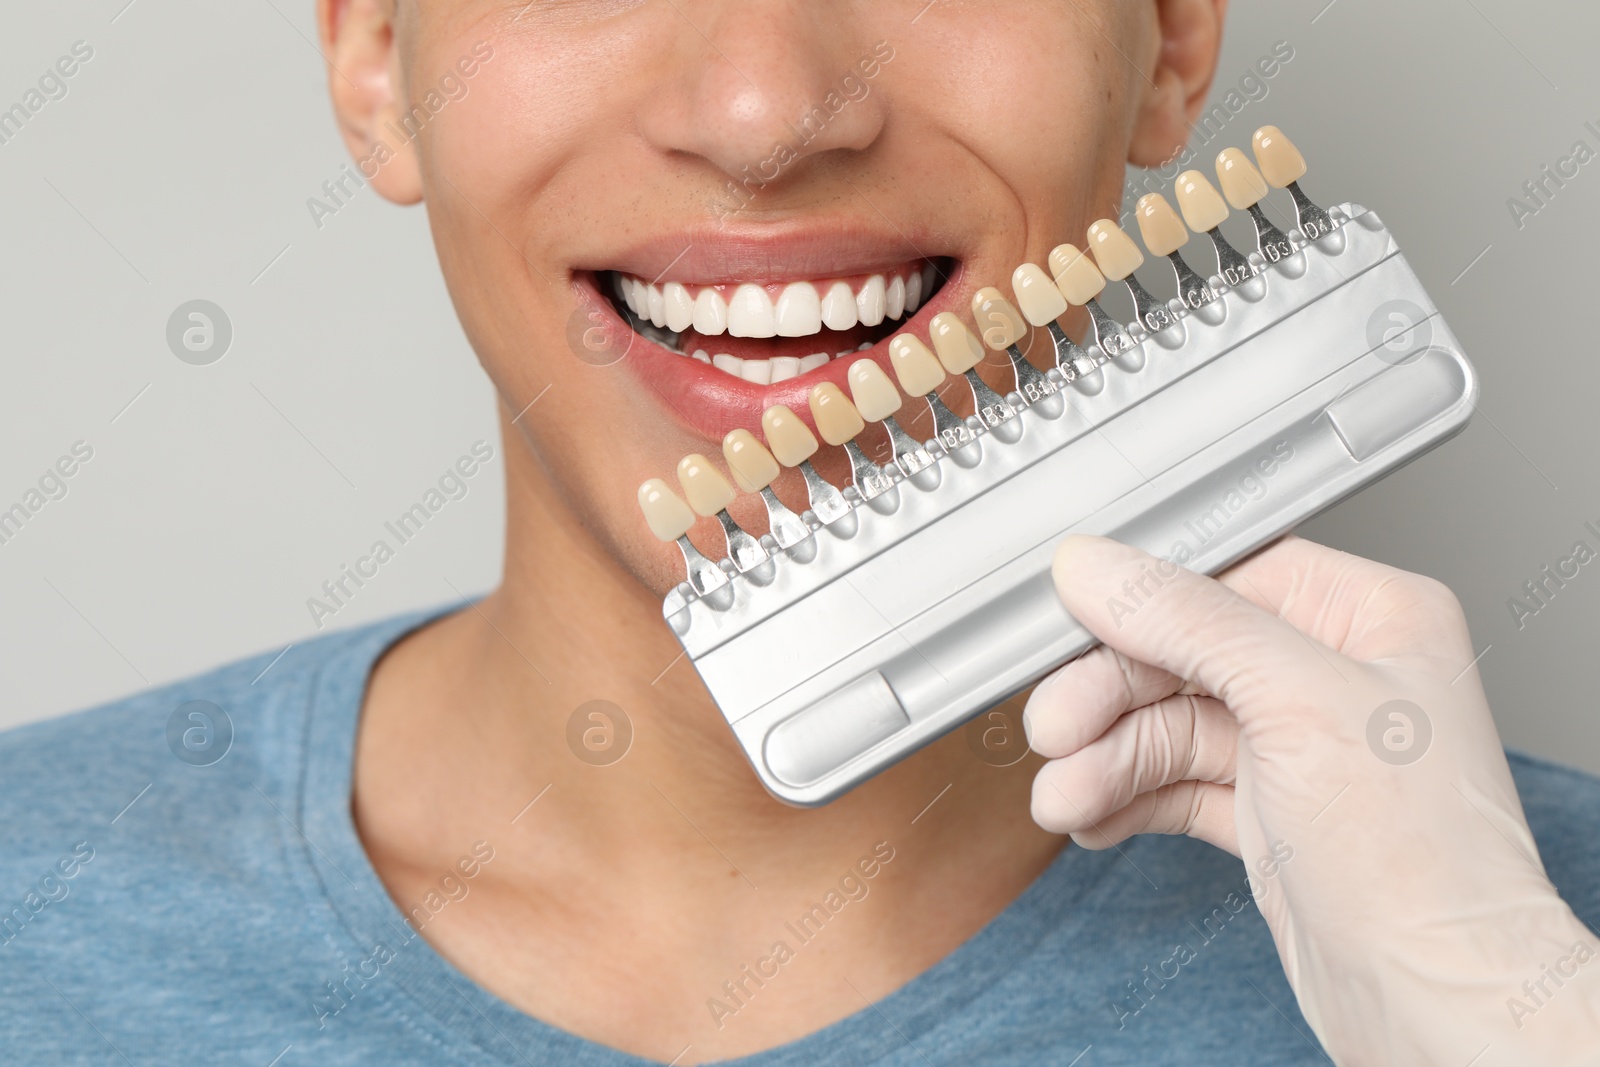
x: 768, y: 333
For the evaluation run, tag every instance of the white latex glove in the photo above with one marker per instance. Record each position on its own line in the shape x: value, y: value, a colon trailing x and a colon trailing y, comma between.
x: 1385, y: 841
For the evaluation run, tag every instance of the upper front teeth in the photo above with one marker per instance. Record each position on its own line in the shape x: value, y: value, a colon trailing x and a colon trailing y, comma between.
x: 839, y: 307
x: 678, y: 307
x: 751, y: 314
x: 897, y: 298
x: 710, y: 313
x: 801, y: 308
x: 870, y: 302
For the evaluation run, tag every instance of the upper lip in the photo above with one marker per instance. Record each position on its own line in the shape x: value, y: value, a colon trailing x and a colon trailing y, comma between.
x: 770, y: 252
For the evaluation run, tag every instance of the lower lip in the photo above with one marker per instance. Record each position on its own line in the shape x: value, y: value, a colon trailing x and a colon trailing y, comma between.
x: 710, y: 402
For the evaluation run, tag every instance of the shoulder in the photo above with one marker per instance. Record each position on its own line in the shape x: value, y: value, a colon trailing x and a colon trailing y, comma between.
x: 69, y: 783
x: 1563, y: 809
x: 150, y: 845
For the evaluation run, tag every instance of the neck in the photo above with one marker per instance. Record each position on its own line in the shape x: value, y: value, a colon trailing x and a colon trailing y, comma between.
x: 479, y: 708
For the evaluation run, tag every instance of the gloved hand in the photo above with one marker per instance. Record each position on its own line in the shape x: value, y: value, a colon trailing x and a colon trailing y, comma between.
x: 1320, y: 716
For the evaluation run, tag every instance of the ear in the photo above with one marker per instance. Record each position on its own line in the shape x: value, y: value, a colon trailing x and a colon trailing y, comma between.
x: 1191, y: 37
x: 358, y: 39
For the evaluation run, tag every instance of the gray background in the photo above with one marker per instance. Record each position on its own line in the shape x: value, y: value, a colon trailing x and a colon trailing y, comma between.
x: 220, y: 497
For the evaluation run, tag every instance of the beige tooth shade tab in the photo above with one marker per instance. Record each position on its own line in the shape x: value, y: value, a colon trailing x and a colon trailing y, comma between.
x: 874, y: 394
x: 707, y: 491
x: 1280, y: 161
x: 1202, y: 206
x: 791, y: 440
x: 999, y: 323
x: 1113, y: 250
x: 1241, y: 183
x: 1163, y: 232
x: 668, y: 516
x: 752, y: 465
x: 1041, y: 301
x: 837, y: 419
x: 958, y: 349
x: 917, y: 368
x: 1079, y: 280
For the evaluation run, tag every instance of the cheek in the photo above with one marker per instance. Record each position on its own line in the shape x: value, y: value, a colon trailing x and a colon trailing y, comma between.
x: 521, y: 176
x: 510, y: 172
x: 1045, y: 101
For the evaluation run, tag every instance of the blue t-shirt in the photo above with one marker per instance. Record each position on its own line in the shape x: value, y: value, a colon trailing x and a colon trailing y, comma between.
x: 196, y: 910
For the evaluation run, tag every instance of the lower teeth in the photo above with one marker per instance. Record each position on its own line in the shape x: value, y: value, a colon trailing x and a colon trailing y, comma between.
x: 769, y: 371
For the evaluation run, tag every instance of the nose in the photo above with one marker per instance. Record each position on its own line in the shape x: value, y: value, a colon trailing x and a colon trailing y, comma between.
x: 764, y: 85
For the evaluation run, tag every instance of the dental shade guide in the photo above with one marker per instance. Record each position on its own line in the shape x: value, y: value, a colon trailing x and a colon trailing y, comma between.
x: 793, y: 444
x: 916, y: 613
x: 960, y: 353
x: 840, y: 424
x: 1042, y: 304
x: 1118, y: 257
x: 1001, y: 326
x: 755, y: 469
x: 1081, y: 282
x: 1283, y: 166
x: 709, y: 494
x: 920, y: 374
x: 670, y: 519
x: 1245, y: 188
x: 1204, y: 211
x: 877, y: 400
x: 1164, y: 234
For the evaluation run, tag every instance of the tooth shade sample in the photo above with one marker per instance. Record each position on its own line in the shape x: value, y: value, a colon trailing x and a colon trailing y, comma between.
x: 958, y: 350
x: 837, y: 419
x: 791, y: 441
x: 999, y: 323
x: 1079, y: 280
x: 839, y: 307
x: 917, y: 368
x: 1041, y: 301
x: 799, y: 311
x: 1201, y: 204
x: 1114, y: 250
x: 1241, y: 183
x: 666, y: 513
x: 707, y: 491
x: 1280, y: 161
x: 752, y: 465
x: 710, y: 313
x: 874, y: 394
x: 750, y: 313
x: 1159, y: 225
